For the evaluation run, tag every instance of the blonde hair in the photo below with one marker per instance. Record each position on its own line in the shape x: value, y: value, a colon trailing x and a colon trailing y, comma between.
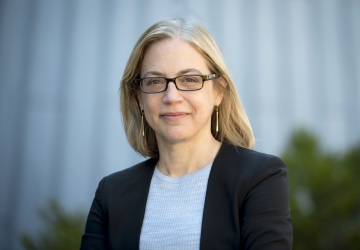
x: 234, y: 125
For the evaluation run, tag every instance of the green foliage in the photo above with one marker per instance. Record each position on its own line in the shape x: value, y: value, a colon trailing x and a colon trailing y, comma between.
x: 324, y: 194
x: 63, y: 230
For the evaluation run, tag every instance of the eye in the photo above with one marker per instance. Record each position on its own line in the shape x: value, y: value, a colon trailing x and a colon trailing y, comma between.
x: 154, y: 81
x: 190, y: 79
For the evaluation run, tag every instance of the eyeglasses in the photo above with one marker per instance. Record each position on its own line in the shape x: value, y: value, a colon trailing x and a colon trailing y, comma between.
x: 152, y: 85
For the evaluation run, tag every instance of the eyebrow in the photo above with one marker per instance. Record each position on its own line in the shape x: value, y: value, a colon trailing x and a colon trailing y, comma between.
x: 181, y: 72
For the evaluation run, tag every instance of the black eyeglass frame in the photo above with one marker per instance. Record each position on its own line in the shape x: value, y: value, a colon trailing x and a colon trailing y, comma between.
x: 168, y: 80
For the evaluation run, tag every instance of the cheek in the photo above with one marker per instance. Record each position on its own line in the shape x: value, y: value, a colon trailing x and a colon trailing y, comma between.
x: 144, y: 101
x: 151, y: 108
x: 203, y: 106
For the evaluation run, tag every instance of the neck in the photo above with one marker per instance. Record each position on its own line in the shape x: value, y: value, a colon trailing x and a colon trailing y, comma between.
x: 179, y: 159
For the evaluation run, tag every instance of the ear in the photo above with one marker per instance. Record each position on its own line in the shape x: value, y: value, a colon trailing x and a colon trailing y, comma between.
x: 141, y: 105
x: 220, y: 92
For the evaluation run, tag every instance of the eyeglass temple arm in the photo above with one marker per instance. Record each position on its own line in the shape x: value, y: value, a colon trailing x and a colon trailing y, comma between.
x: 209, y: 77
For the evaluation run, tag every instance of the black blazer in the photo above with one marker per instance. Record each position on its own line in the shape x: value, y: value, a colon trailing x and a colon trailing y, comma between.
x: 246, y: 204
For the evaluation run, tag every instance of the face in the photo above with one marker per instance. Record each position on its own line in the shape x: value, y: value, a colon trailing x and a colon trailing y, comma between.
x: 176, y: 115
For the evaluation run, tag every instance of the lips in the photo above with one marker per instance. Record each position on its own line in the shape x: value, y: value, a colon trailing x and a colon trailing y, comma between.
x: 173, y: 116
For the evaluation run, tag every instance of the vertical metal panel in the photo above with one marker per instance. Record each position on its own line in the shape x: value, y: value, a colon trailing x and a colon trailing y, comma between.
x: 284, y: 75
x: 62, y: 99
x: 317, y: 68
x: 249, y: 27
x: 349, y: 80
x: 333, y: 74
x: 19, y: 127
x: 355, y: 20
x: 267, y: 90
x: 300, y: 63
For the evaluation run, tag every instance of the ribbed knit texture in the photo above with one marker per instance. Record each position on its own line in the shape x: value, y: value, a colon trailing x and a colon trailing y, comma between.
x: 174, y: 211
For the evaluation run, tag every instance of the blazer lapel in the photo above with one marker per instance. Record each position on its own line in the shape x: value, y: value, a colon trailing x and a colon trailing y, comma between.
x: 220, y: 230
x: 132, y: 204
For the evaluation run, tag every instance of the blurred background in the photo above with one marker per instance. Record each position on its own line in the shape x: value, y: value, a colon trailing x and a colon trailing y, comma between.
x: 295, y: 63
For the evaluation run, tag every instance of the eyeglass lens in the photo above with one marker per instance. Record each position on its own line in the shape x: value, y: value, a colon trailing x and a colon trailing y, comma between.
x: 158, y: 84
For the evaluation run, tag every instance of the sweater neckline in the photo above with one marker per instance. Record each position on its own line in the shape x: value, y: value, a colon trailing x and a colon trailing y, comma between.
x: 186, y: 177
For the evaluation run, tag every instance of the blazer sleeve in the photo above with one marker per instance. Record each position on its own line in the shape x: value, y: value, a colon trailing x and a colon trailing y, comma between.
x: 265, y: 219
x: 96, y: 229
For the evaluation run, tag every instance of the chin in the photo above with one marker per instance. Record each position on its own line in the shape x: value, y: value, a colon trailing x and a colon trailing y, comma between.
x: 176, y: 139
x: 174, y: 136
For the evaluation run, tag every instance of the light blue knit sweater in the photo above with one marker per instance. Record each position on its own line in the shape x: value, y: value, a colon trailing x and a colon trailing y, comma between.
x: 174, y: 211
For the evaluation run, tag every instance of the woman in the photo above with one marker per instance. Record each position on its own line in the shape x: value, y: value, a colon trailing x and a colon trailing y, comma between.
x: 202, y: 186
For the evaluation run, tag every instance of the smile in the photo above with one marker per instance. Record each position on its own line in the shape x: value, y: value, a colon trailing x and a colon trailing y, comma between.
x: 173, y: 116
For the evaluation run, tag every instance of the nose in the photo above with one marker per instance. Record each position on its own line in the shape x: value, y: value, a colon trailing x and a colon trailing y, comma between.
x: 172, y: 94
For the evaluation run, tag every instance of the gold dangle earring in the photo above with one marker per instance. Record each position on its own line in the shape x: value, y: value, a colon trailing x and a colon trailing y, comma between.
x: 142, y: 123
x: 217, y: 119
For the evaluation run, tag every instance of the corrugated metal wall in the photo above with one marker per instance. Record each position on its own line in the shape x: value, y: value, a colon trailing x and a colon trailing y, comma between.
x: 295, y: 63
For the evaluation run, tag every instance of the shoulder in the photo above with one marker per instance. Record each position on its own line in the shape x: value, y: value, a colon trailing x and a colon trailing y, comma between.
x: 237, y: 163
x: 247, y: 158
x: 141, y: 168
x: 121, y: 180
x: 231, y: 153
x: 259, y: 186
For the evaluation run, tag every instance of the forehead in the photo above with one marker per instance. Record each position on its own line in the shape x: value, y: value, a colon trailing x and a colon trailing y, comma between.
x: 171, y: 56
